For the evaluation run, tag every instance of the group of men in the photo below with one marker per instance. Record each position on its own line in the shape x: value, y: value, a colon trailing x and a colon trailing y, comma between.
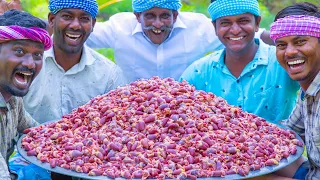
x: 158, y: 40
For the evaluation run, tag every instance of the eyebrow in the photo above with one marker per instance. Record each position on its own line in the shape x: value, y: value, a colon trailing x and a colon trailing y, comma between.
x: 24, y: 43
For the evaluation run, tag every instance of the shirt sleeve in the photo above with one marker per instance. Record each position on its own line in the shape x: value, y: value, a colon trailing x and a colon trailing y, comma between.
x: 102, y: 36
x: 258, y: 34
x: 25, y: 119
x: 295, y: 120
x: 4, y: 172
x: 118, y: 78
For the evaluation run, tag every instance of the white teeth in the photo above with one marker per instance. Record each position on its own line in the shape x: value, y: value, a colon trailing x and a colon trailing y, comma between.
x: 236, y: 39
x: 72, y: 35
x: 26, y: 73
x: 157, y: 31
x: 296, y: 62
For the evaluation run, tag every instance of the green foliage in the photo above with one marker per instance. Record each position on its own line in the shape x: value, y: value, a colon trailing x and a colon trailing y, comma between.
x: 268, y: 10
x: 109, y: 53
x: 36, y: 8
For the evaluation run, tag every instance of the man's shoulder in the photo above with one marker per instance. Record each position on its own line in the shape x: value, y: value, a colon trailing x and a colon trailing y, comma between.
x: 211, y: 59
x: 100, y: 60
x: 123, y: 17
x: 192, y: 16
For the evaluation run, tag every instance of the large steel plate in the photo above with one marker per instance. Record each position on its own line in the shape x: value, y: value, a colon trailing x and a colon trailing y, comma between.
x: 266, y: 170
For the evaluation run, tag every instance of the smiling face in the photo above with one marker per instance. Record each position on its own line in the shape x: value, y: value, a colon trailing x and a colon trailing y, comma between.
x: 157, y: 23
x: 71, y: 28
x: 300, y: 57
x: 20, y: 62
x: 237, y: 32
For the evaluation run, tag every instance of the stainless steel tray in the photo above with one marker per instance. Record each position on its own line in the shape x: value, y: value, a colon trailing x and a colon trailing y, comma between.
x: 266, y: 170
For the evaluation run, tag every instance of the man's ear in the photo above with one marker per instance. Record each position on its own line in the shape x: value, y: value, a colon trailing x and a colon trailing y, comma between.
x: 175, y: 15
x: 137, y: 14
x: 258, y: 20
x: 93, y: 23
x: 51, y: 18
x: 214, y: 25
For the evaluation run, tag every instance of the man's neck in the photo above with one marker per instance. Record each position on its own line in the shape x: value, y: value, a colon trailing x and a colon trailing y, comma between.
x: 237, y: 61
x: 66, y: 60
x: 5, y: 94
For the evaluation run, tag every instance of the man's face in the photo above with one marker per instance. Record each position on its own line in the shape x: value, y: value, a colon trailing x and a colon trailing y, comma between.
x: 237, y: 32
x: 71, y: 28
x: 157, y: 23
x: 20, y: 62
x: 299, y: 56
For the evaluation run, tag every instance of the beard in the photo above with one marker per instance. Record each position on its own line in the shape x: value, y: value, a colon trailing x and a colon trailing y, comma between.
x: 15, y: 91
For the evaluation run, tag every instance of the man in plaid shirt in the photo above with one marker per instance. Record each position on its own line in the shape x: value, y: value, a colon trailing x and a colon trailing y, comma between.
x: 296, y: 32
x: 21, y: 50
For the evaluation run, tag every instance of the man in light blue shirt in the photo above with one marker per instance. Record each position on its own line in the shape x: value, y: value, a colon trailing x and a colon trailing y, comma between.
x: 246, y: 73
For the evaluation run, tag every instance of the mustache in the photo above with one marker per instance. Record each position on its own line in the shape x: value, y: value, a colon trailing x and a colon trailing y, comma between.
x: 294, y: 57
x: 162, y: 28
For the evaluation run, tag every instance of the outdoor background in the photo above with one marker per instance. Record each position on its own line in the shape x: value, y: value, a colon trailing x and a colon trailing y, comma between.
x: 107, y: 8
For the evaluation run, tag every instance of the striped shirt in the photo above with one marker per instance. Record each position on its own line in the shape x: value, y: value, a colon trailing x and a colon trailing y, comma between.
x: 13, y: 120
x: 305, y: 120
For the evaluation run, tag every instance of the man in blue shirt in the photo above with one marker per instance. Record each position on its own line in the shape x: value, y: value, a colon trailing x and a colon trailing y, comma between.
x: 246, y: 73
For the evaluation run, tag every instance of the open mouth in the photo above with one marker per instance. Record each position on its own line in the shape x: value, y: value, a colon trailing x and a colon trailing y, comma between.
x: 296, y: 64
x: 156, y: 31
x: 73, y: 37
x: 236, y: 38
x: 22, y: 79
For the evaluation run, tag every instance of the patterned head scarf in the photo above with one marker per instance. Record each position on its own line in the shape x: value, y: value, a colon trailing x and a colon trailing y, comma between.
x: 221, y: 8
x: 295, y: 25
x: 143, y: 5
x: 9, y: 33
x: 89, y: 6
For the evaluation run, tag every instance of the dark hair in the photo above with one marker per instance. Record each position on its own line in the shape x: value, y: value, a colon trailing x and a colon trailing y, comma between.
x: 24, y: 19
x: 304, y: 8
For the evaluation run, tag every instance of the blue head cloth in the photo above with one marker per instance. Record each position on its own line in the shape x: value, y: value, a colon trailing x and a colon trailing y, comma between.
x: 221, y: 8
x: 143, y: 5
x: 89, y: 6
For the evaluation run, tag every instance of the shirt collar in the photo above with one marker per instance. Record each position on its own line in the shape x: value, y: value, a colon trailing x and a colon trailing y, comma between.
x: 260, y: 58
x: 177, y: 24
x: 86, y: 58
x: 3, y: 102
x: 314, y: 86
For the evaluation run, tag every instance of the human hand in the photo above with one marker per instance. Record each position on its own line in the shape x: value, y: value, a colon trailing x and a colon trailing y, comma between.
x: 14, y: 4
x: 5, y: 6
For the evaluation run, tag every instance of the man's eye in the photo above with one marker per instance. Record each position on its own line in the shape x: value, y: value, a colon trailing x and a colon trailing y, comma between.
x: 65, y: 16
x: 149, y: 16
x: 165, y: 16
x: 85, y: 18
x: 244, y: 21
x: 19, y: 51
x: 224, y: 23
x: 38, y: 55
x: 280, y: 46
x: 301, y: 41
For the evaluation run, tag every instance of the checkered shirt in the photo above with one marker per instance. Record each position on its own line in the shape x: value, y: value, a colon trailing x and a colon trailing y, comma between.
x: 305, y: 120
